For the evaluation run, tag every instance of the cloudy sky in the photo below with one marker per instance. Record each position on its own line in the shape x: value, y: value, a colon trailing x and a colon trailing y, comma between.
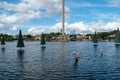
x: 36, y: 16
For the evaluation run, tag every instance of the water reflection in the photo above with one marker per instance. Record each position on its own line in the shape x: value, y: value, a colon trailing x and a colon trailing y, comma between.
x: 117, y: 49
x: 56, y: 61
x: 3, y: 49
x: 20, y: 54
x: 63, y: 55
x: 95, y: 50
x: 2, y: 60
x: 42, y: 62
x: 43, y: 49
x: 20, y: 51
x: 75, y: 64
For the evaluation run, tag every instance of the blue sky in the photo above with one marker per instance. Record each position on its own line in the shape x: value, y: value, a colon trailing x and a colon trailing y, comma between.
x: 37, y: 16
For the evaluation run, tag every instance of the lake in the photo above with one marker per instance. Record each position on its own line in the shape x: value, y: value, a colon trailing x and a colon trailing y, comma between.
x: 56, y: 61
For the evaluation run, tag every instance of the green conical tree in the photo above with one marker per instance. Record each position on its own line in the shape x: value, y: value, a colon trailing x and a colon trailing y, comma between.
x: 117, y: 39
x: 2, y: 40
x: 95, y: 40
x: 42, y: 39
x: 20, y: 42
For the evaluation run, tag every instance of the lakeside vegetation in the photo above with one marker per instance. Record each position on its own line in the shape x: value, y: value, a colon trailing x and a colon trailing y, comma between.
x: 48, y: 37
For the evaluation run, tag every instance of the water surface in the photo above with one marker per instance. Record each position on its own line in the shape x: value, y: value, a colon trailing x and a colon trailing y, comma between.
x: 56, y: 61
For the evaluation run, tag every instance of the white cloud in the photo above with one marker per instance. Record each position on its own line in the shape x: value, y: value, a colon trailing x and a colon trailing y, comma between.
x: 35, y: 30
x: 112, y: 25
x: 85, y: 3
x: 1, y: 25
x: 56, y: 28
x: 23, y: 7
x: 17, y: 18
x: 52, y: 7
x: 36, y: 4
x: 115, y: 3
x: 108, y: 16
x: 78, y: 27
x: 81, y: 27
x: 27, y: 10
x: 20, y: 7
x: 14, y: 28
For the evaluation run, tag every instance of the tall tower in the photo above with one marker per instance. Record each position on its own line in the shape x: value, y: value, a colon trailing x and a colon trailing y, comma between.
x: 63, y: 11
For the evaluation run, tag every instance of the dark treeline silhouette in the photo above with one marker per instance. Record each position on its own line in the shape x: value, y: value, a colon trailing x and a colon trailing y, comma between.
x: 48, y: 36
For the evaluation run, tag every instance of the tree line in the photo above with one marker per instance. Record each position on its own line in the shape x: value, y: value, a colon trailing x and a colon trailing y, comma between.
x: 48, y: 36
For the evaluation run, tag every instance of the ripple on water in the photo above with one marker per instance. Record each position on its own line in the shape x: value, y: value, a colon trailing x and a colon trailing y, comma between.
x: 56, y: 61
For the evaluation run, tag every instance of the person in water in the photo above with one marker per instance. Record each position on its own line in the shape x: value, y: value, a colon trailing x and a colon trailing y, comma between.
x: 77, y: 57
x: 101, y: 51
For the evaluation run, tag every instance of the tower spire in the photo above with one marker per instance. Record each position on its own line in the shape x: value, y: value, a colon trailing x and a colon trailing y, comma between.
x: 63, y: 11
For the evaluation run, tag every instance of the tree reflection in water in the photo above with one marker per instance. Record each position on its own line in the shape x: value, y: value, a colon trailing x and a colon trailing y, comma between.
x: 21, y: 63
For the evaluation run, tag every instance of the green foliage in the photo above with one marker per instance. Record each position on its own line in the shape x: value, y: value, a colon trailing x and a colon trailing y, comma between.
x: 49, y: 36
x: 20, y: 42
x: 42, y: 39
x: 103, y: 35
x: 29, y: 36
x: 88, y: 34
x: 2, y: 40
x: 117, y: 39
x: 95, y: 40
x: 7, y: 37
x: 73, y: 37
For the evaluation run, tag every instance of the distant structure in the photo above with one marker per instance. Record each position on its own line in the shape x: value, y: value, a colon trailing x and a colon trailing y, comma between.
x: 63, y: 37
x: 63, y: 18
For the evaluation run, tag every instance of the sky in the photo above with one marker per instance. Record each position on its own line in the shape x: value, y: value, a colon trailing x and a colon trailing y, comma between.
x: 37, y: 16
